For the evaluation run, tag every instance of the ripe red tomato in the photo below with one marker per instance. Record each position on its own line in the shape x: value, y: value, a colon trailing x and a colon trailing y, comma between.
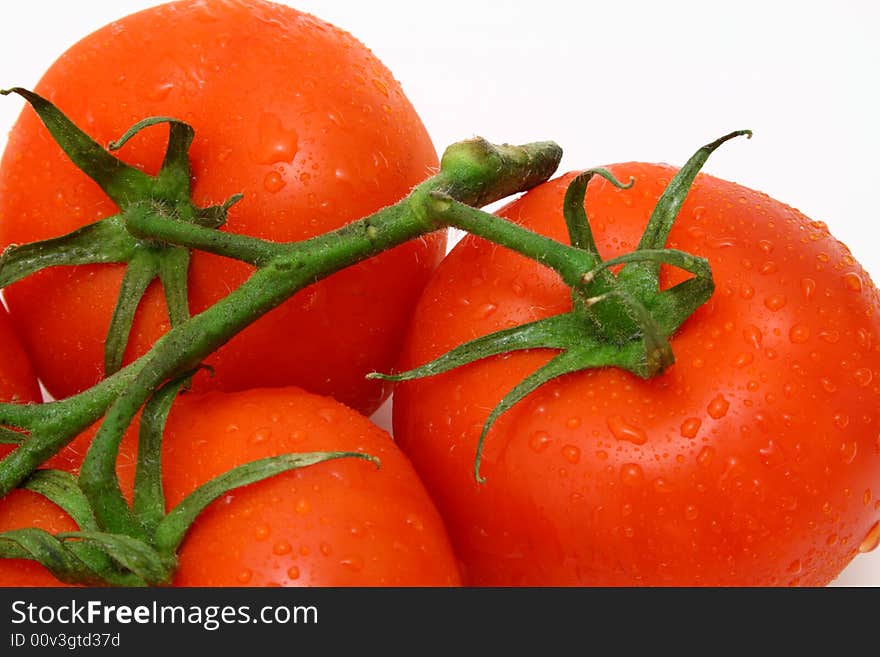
x: 753, y: 460
x: 338, y: 523
x: 292, y: 112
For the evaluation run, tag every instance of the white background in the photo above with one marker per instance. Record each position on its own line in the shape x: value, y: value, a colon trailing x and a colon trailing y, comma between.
x: 610, y: 82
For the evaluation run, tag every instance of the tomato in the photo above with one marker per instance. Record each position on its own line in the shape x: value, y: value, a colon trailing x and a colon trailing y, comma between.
x: 753, y: 460
x: 338, y: 523
x: 18, y: 383
x: 292, y: 112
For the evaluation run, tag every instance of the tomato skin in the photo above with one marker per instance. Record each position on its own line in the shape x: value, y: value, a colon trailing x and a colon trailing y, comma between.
x: 753, y: 460
x: 290, y: 111
x: 339, y: 523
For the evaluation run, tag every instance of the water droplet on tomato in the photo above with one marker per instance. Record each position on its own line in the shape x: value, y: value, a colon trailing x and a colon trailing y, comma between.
x: 302, y: 506
x: 863, y: 376
x: 539, y: 441
x: 720, y: 242
x: 573, y: 422
x: 841, y: 420
x: 245, y: 576
x: 799, y: 333
x: 769, y: 267
x: 852, y: 281
x: 261, y: 533
x: 622, y: 430
x: 631, y: 474
x: 752, y: 335
x: 766, y: 246
x: 771, y: 453
x: 828, y: 385
x: 691, y: 512
x: 829, y: 336
x: 282, y: 548
x: 486, y: 310
x: 158, y: 92
x: 697, y: 232
x: 260, y: 436
x: 795, y: 567
x: 662, y: 486
x: 871, y: 540
x: 775, y: 302
x: 743, y: 360
x: 274, y: 182
x: 571, y: 453
x: 353, y: 563
x: 412, y: 520
x: 808, y: 288
x: 293, y: 572
x: 326, y: 549
x: 718, y: 407
x: 690, y: 427
x: 704, y: 458
x: 276, y: 143
x: 381, y: 86
x: 848, y: 451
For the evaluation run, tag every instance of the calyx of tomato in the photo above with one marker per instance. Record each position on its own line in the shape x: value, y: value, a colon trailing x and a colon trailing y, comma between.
x: 167, y: 194
x: 623, y: 320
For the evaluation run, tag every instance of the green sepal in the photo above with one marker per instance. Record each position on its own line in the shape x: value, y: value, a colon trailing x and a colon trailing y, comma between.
x: 39, y: 545
x: 122, y: 183
x: 670, y: 202
x: 104, y: 241
x: 141, y: 270
x: 148, y: 502
x: 214, y: 216
x: 60, y: 488
x: 172, y: 529
x: 167, y: 195
x: 134, y: 555
x: 566, y: 362
x: 579, y: 231
x: 557, y: 332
